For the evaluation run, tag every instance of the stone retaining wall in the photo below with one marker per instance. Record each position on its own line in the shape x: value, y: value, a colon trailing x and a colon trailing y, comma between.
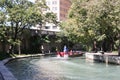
x: 7, y: 75
x: 107, y: 58
x: 1, y: 77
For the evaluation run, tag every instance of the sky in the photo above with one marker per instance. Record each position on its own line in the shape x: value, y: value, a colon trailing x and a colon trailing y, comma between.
x: 32, y: 0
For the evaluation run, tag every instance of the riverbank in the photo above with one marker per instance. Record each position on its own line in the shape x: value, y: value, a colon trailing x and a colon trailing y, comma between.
x: 103, y: 57
x: 5, y: 74
x: 4, y: 55
x: 1, y: 77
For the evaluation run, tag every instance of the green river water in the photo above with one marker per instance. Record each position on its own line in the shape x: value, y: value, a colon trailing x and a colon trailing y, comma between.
x: 52, y: 68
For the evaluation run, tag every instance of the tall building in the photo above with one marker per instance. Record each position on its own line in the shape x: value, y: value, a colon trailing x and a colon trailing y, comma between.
x: 64, y: 7
x: 60, y: 8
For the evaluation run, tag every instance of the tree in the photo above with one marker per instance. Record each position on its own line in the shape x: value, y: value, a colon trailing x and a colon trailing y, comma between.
x: 22, y: 14
x: 94, y: 20
x: 75, y: 28
x: 3, y: 29
x: 108, y: 21
x: 20, y: 17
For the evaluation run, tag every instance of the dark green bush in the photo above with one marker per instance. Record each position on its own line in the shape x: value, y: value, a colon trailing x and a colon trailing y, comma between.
x: 4, y: 55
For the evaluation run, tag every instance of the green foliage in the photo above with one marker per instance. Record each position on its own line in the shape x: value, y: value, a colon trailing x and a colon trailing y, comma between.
x: 2, y: 18
x: 46, y: 39
x: 51, y: 17
x: 17, y: 15
x: 4, y: 55
x: 3, y: 36
x: 90, y: 20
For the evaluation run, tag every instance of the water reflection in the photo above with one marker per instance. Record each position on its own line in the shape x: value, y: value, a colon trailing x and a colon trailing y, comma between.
x: 54, y: 69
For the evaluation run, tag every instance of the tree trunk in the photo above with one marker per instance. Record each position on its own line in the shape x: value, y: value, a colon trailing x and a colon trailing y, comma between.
x: 95, y: 46
x: 15, y: 35
x: 19, y: 49
x: 11, y: 49
x: 3, y: 47
x: 119, y: 51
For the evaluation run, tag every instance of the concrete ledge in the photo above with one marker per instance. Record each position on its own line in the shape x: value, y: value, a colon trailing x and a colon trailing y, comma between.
x: 107, y: 57
x: 1, y: 77
x: 7, y: 75
x: 6, y: 60
x: 90, y: 56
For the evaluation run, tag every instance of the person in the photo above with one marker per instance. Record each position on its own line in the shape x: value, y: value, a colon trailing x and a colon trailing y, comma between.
x: 42, y: 48
x: 65, y: 53
x: 56, y: 49
x: 70, y: 53
x: 65, y: 49
x: 94, y: 47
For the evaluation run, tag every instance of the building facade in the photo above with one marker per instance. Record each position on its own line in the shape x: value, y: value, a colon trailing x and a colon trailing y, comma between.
x: 64, y: 8
x: 60, y: 8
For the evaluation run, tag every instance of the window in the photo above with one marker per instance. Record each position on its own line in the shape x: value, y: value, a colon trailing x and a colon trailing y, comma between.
x: 47, y: 27
x: 48, y: 3
x: 54, y: 2
x: 54, y: 8
x: 54, y: 27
